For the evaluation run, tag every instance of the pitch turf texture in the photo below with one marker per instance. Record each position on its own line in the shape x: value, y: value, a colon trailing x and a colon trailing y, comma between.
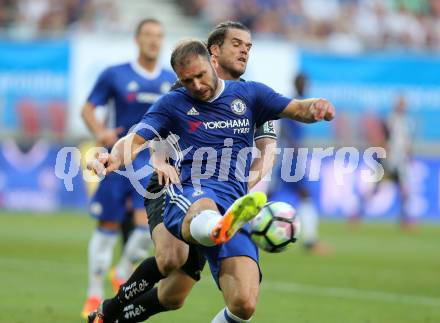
x: 377, y: 274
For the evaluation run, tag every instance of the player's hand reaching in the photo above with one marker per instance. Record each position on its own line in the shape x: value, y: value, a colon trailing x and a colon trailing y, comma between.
x: 103, y: 164
x: 108, y: 137
x: 322, y: 109
x: 167, y: 174
x: 309, y: 110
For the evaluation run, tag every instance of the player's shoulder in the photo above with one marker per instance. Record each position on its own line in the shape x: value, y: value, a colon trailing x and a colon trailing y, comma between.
x: 253, y: 84
x: 119, y: 67
x: 245, y: 87
x: 170, y: 102
x: 176, y: 94
x: 116, y: 69
x: 232, y: 85
x: 243, y: 84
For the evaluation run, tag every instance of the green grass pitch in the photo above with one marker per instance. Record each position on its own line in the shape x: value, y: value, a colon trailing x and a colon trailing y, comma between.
x: 377, y: 274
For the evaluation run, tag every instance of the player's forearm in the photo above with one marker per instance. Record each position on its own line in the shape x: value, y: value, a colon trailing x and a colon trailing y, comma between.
x: 262, y: 165
x: 257, y: 166
x: 88, y: 115
x: 127, y: 148
x: 308, y: 110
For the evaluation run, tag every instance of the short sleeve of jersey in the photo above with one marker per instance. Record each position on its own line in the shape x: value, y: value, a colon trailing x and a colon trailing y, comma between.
x: 156, y: 122
x: 268, y: 103
x: 102, y: 90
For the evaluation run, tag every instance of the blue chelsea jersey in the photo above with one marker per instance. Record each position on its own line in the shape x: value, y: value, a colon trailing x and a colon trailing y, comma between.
x: 132, y: 91
x: 214, y: 137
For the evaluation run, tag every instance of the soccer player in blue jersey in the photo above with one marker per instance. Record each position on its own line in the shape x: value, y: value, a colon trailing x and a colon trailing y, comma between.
x: 229, y: 44
x: 214, y: 140
x: 131, y: 89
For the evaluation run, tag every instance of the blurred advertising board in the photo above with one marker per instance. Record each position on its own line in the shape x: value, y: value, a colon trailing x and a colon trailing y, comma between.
x: 341, y: 194
x: 28, y: 180
x: 33, y: 87
x: 370, y: 83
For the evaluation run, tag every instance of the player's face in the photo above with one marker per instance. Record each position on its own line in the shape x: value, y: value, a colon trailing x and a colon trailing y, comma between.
x: 233, y: 55
x: 149, y: 40
x: 199, y: 78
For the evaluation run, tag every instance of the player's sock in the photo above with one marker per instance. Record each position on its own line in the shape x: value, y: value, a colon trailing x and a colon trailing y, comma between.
x: 202, y: 225
x: 309, y: 222
x: 100, y: 257
x: 225, y: 316
x: 142, y: 280
x: 142, y: 308
x: 135, y: 249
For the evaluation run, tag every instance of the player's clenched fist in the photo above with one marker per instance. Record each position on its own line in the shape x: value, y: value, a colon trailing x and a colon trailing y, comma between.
x: 322, y: 109
x: 309, y: 110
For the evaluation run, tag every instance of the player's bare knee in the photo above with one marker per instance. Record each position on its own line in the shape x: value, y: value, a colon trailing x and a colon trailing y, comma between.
x: 166, y: 262
x: 169, y: 260
x: 170, y: 263
x: 243, y: 306
x: 173, y: 302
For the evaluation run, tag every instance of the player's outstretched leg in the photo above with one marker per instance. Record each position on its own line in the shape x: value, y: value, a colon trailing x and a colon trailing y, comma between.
x: 142, y: 308
x: 170, y: 295
x: 205, y: 225
x: 141, y: 281
x: 241, y: 212
x: 138, y: 310
x: 172, y: 291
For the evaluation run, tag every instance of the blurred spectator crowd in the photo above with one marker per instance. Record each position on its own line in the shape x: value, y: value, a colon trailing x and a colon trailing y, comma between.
x: 30, y: 17
x: 342, y: 25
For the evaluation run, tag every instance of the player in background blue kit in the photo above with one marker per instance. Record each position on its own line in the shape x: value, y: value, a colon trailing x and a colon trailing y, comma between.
x: 131, y: 89
x: 227, y: 111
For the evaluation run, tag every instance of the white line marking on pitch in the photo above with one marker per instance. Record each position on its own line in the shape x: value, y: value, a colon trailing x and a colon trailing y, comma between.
x: 351, y: 293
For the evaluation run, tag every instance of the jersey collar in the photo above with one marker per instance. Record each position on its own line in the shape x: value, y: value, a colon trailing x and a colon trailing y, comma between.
x: 143, y: 72
x: 222, y: 88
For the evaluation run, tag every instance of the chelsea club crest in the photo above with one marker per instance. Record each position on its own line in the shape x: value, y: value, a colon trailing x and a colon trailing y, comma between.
x: 238, y: 107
